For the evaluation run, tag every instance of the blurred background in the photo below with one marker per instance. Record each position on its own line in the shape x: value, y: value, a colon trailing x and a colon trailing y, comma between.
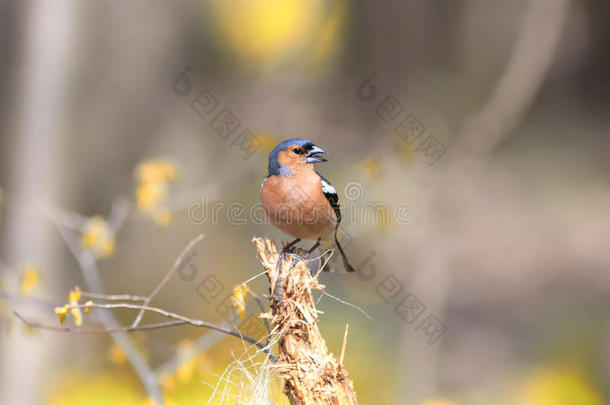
x: 468, y: 141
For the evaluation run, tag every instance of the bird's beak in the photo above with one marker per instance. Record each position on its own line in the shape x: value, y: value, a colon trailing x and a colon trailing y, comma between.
x: 312, y: 158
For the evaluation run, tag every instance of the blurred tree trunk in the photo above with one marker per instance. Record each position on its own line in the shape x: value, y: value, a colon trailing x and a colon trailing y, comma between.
x: 34, y: 156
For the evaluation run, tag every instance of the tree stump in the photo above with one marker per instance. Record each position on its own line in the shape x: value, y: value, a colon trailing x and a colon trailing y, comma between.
x: 311, y: 374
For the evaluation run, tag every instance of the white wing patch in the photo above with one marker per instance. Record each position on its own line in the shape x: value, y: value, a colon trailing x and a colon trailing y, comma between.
x: 327, y: 188
x: 263, y: 183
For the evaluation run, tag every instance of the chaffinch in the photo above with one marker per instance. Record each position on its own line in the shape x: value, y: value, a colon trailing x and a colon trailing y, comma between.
x: 298, y: 200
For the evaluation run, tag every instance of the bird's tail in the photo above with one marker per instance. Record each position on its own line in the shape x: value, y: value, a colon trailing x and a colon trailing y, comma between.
x: 327, y: 247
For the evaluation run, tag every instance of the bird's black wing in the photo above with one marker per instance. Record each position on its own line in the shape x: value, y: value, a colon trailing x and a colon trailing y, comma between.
x: 331, y: 195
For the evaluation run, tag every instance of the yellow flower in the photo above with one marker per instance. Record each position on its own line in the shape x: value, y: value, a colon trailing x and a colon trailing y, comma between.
x: 116, y: 355
x: 149, y: 195
x: 163, y: 218
x: 89, y: 305
x: 407, y: 151
x: 61, y: 313
x: 372, y: 167
x: 152, y: 185
x: 74, y: 297
x: 30, y: 279
x: 96, y: 235
x: 107, y: 248
x: 238, y: 299
x: 156, y: 171
x: 77, y: 315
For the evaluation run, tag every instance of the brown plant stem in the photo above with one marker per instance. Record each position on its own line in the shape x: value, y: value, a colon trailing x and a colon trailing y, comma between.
x: 311, y: 374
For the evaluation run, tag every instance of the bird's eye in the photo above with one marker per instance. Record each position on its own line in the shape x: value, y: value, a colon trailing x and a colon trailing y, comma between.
x: 298, y: 151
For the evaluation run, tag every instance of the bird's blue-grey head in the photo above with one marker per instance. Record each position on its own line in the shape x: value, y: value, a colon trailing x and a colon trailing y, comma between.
x: 292, y: 152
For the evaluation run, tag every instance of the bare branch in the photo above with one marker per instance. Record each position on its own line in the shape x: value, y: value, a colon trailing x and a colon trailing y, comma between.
x: 178, y: 320
x: 89, y: 331
x: 87, y: 264
x: 113, y: 297
x: 168, y: 275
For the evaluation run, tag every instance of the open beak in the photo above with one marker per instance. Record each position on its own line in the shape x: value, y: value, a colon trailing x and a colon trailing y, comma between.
x: 312, y: 155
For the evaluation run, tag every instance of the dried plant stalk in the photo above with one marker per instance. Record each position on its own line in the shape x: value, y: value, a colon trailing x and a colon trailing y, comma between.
x: 312, y: 375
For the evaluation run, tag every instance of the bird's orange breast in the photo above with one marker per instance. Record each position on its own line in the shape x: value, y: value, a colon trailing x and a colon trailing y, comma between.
x: 297, y: 206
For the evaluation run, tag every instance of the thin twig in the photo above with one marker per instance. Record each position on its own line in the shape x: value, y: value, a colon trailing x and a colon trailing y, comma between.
x: 88, y: 331
x: 168, y: 275
x: 112, y: 297
x: 178, y: 320
x: 87, y: 264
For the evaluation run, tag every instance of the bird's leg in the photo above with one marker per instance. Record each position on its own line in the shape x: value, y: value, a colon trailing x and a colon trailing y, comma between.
x: 310, y: 251
x: 277, y: 288
x: 289, y: 246
x: 314, y: 247
x: 297, y: 258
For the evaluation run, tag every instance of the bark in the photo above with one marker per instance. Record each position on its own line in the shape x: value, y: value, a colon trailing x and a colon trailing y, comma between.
x: 312, y: 375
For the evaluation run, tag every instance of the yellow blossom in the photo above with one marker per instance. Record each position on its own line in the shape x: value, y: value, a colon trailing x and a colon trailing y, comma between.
x: 89, y: 305
x: 407, y: 151
x: 61, y: 313
x: 30, y: 279
x: 152, y: 185
x: 238, y: 299
x: 372, y: 167
x: 77, y: 315
x: 155, y: 171
x: 163, y: 218
x: 74, y: 297
x: 96, y: 235
x: 107, y: 248
x: 149, y: 195
x: 116, y: 355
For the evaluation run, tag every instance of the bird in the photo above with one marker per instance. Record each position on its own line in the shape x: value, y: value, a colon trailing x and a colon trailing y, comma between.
x: 298, y: 200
